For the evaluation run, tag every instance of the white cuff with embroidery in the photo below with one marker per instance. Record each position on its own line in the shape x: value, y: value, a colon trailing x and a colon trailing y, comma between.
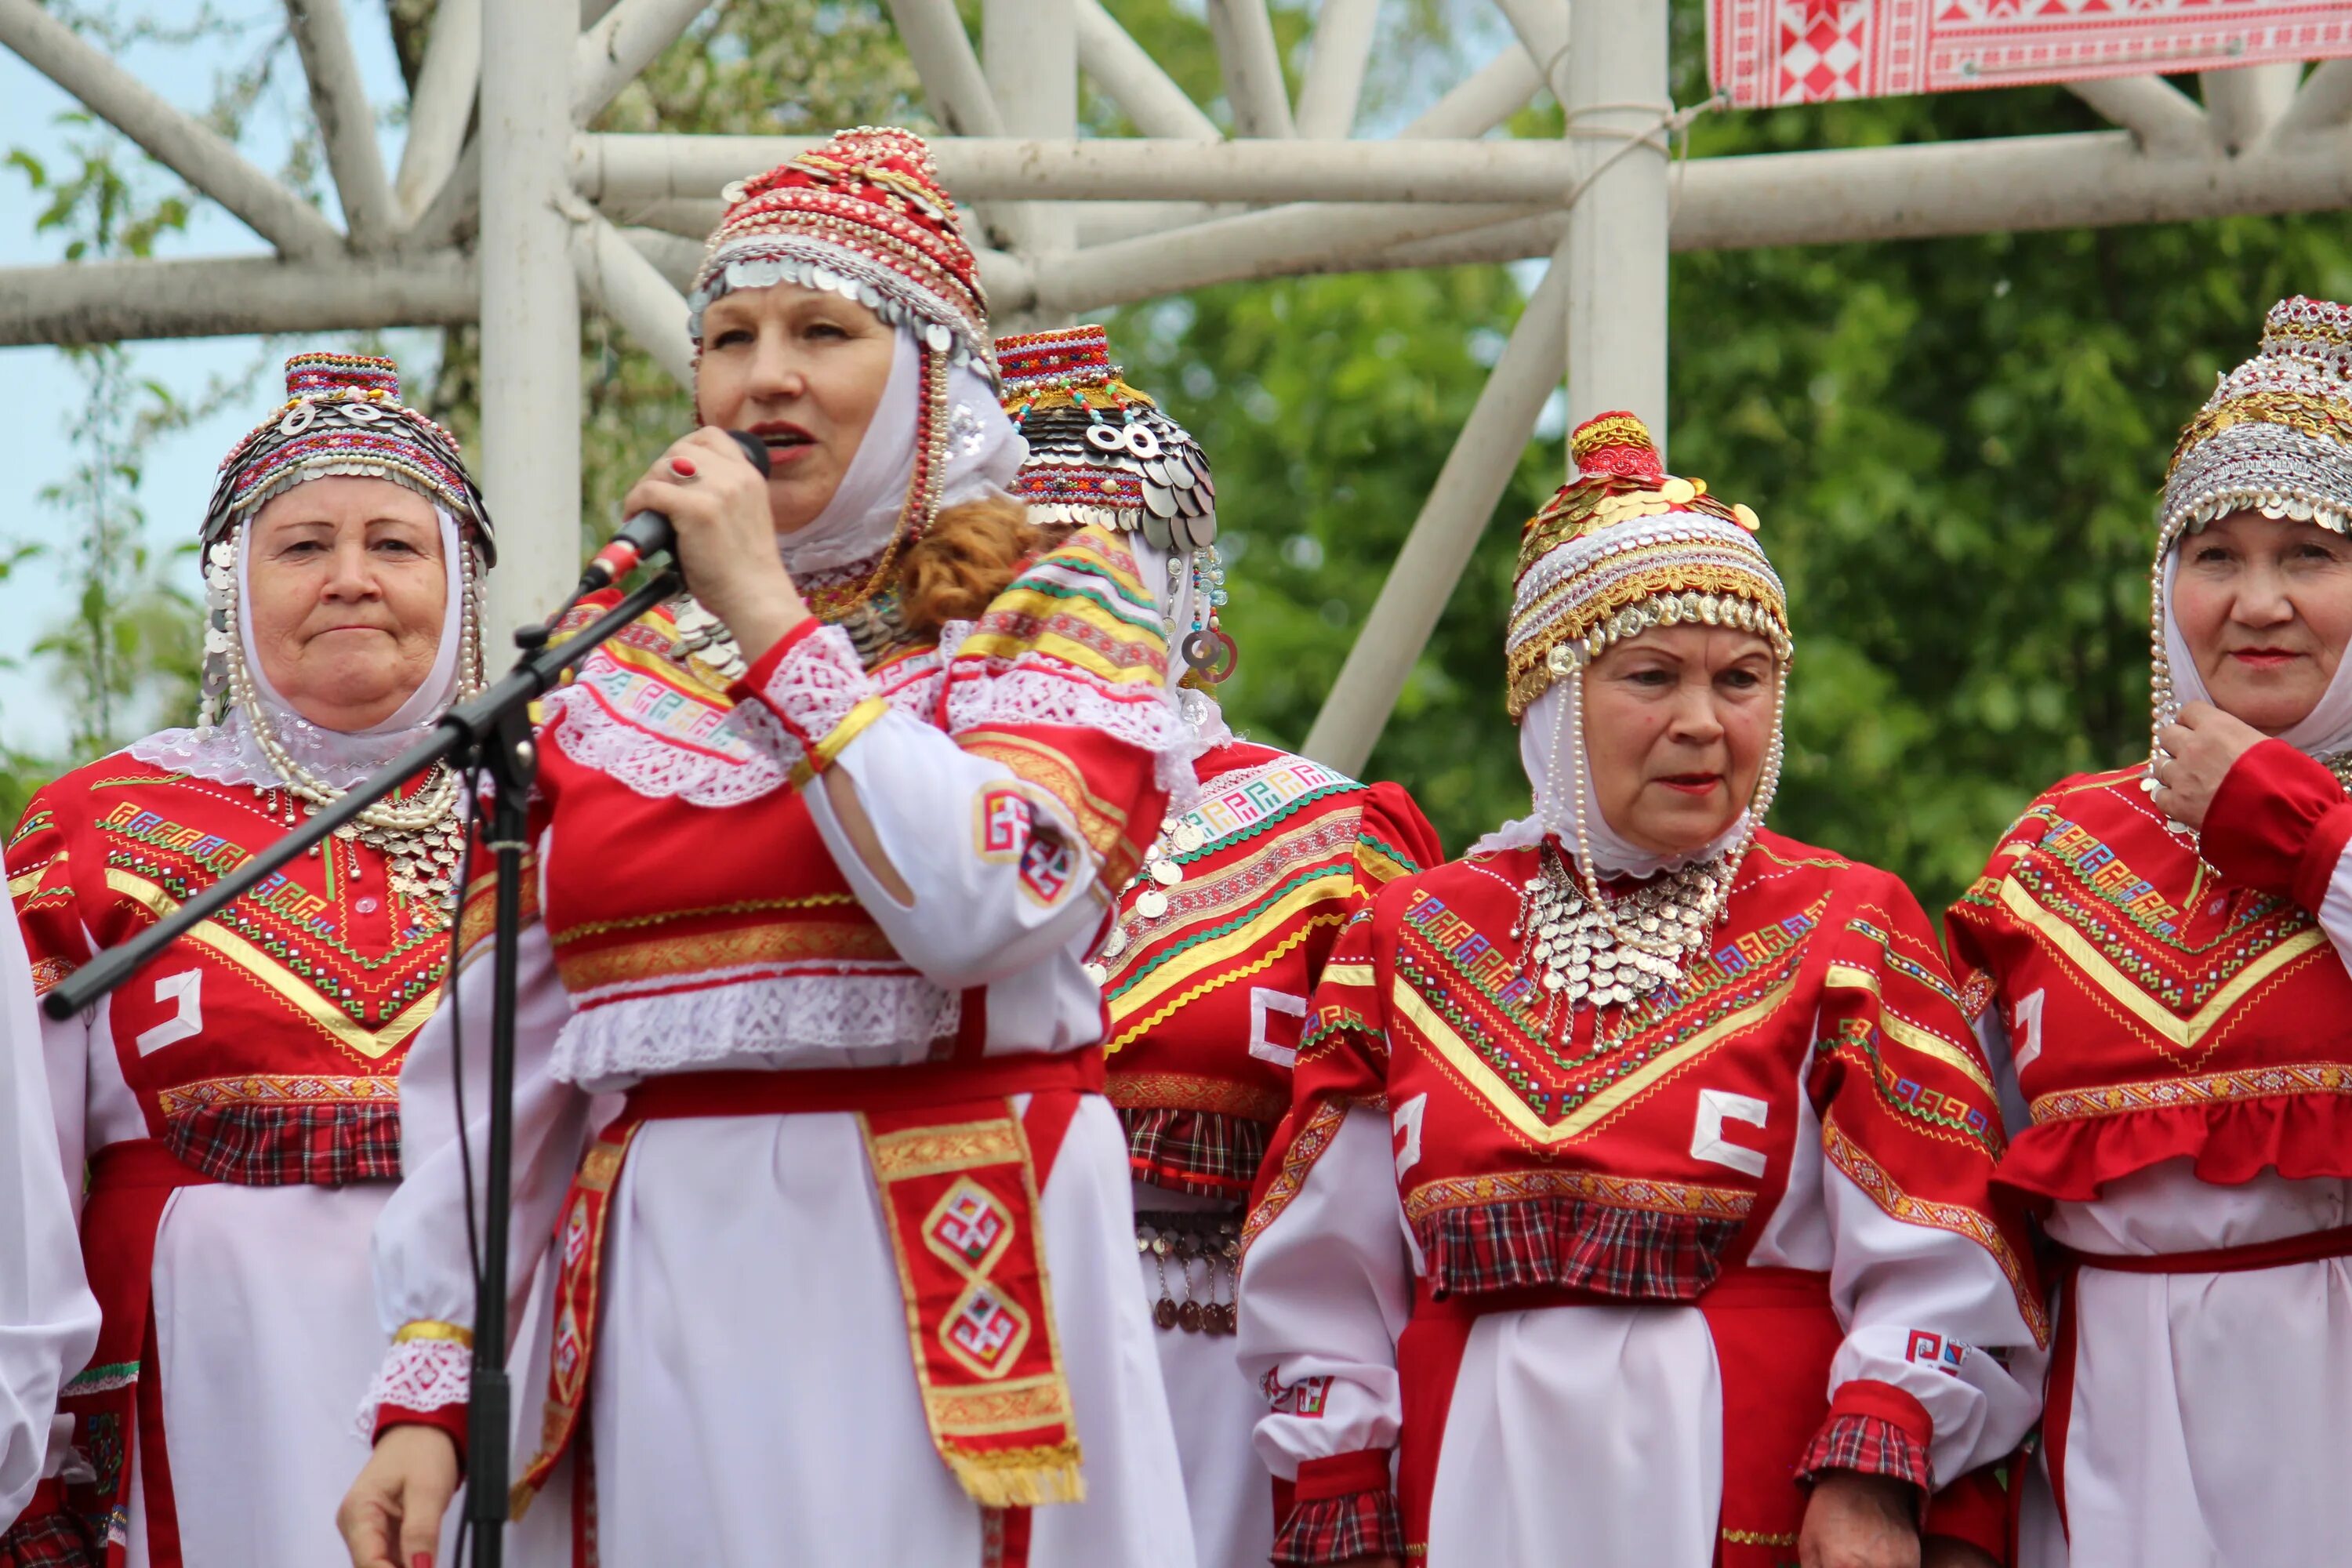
x: 419, y: 1374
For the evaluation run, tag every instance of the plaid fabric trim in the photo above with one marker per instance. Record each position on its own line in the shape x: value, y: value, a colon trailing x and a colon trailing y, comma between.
x: 289, y: 1145
x: 50, y: 1540
x: 1205, y: 1152
x: 1340, y: 1530
x: 1628, y: 1253
x: 1870, y: 1444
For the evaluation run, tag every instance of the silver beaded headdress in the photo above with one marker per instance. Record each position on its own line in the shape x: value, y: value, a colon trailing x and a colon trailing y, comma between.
x: 342, y: 416
x: 1621, y: 548
x: 1102, y: 452
x: 2275, y: 437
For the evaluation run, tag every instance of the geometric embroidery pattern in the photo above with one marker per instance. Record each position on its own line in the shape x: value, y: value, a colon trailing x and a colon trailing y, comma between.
x: 1766, y: 52
x: 969, y: 1230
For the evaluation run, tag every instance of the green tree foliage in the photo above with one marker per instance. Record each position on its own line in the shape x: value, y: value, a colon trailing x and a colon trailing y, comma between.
x: 1955, y: 445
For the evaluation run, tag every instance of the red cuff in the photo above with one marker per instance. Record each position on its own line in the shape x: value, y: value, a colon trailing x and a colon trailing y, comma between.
x: 1345, y: 1511
x: 2279, y: 823
x: 755, y: 679
x: 1365, y: 1470
x: 1874, y: 1428
x: 449, y: 1418
x: 1975, y: 1509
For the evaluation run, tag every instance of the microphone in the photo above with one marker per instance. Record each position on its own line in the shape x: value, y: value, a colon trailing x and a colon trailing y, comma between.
x: 650, y: 532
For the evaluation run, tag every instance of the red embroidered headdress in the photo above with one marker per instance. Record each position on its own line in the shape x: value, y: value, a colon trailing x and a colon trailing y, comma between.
x: 342, y: 414
x: 864, y: 216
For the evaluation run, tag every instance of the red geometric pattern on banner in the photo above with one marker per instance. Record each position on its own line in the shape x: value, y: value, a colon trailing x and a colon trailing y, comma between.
x: 1767, y: 52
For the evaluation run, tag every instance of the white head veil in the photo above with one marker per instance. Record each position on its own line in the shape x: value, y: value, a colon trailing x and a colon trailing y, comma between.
x: 984, y: 453
x: 230, y: 755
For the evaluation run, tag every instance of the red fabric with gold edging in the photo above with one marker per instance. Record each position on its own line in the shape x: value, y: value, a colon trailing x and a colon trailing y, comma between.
x: 1006, y: 1164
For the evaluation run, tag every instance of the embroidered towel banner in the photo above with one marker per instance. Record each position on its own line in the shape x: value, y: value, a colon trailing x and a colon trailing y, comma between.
x: 1766, y: 52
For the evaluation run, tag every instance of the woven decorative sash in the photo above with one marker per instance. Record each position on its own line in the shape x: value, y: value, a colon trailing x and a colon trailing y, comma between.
x: 958, y: 1174
x: 963, y: 1206
x: 579, y: 1283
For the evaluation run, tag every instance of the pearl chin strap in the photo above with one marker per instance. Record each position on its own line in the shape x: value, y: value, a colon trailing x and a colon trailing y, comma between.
x: 1585, y: 948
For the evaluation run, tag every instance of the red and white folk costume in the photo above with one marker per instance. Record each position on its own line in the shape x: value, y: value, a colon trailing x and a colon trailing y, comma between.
x: 2170, y: 1013
x: 1607, y: 1214
x: 1221, y: 935
x: 238, y: 1100
x: 847, y: 1278
x: 48, y: 1320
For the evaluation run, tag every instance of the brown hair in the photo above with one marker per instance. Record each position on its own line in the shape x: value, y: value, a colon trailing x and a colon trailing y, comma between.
x: 971, y: 553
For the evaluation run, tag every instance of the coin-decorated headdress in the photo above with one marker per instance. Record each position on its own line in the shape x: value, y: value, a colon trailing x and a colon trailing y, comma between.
x: 1102, y: 452
x: 1625, y: 546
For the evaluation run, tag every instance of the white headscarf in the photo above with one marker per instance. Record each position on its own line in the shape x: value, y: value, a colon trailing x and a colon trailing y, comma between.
x: 230, y: 755
x: 984, y: 453
x: 1543, y: 756
x: 2323, y: 732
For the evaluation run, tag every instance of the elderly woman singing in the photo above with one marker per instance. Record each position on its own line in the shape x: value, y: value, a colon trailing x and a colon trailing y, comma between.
x: 236, y: 1102
x: 2157, y: 957
x: 819, y: 856
x: 1632, y: 1206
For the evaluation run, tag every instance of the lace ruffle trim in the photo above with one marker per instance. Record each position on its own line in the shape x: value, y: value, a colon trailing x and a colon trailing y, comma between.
x: 1031, y: 696
x: 816, y: 684
x: 757, y: 757
x: 419, y: 1375
x: 635, y: 1036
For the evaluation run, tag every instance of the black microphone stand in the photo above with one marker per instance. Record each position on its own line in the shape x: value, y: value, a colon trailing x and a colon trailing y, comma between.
x: 493, y: 733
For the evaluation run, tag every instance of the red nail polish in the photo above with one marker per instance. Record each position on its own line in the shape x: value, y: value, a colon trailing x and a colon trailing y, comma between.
x: 422, y: 1560
x: 684, y: 469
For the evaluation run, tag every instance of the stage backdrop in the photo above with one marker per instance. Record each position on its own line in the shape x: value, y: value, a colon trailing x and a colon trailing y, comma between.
x: 1770, y: 52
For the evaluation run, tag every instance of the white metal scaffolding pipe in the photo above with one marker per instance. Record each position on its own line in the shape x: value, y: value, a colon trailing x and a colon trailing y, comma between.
x: 456, y: 208
x: 610, y: 55
x: 1133, y: 79
x: 530, y: 311
x: 635, y: 167
x: 441, y: 107
x: 2321, y: 103
x: 1435, y: 553
x: 113, y: 302
x: 943, y: 58
x: 339, y: 102
x: 1616, y: 247
x: 1341, y: 50
x: 2163, y: 118
x: 1286, y: 241
x: 1486, y: 98
x: 2094, y: 180
x: 1252, y: 64
x: 1543, y: 26
x: 1031, y: 59
x: 629, y: 290
x: 2245, y: 103
x: 178, y: 142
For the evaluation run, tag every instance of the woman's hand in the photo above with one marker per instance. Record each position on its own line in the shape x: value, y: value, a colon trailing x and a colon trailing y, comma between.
x: 1860, y: 1522
x: 2203, y: 743
x: 392, y: 1516
x: 726, y: 536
